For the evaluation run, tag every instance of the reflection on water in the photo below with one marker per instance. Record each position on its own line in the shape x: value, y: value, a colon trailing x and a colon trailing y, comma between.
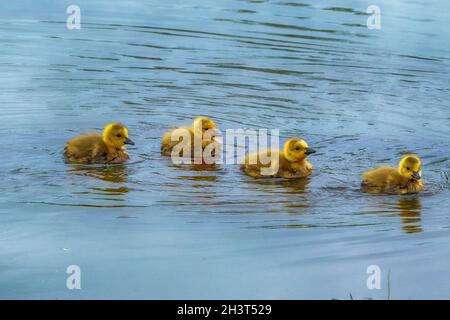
x: 281, y: 195
x: 408, y: 208
x: 110, y: 173
x: 410, y: 213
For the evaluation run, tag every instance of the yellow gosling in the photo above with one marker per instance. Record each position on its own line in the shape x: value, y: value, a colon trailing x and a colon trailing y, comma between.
x: 203, y: 129
x: 108, y: 147
x: 289, y: 163
x: 406, y: 179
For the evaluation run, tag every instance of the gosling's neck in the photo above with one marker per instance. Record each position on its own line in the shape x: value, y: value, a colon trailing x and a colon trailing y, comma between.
x: 293, y: 160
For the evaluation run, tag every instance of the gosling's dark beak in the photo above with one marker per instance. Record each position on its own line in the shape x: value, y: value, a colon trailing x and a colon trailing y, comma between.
x: 310, y: 151
x: 416, y: 175
x: 129, y: 141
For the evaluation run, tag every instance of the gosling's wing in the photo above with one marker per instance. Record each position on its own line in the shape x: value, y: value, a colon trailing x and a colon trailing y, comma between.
x: 250, y: 165
x: 86, y: 148
x: 378, y: 175
x: 285, y: 169
x: 382, y: 180
x: 259, y: 158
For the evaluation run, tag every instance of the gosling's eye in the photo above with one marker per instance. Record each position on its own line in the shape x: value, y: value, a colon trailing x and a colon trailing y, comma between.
x: 297, y: 148
x: 119, y: 136
x: 408, y: 168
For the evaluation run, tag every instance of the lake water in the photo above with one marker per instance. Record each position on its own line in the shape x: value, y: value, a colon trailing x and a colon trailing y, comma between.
x: 150, y: 229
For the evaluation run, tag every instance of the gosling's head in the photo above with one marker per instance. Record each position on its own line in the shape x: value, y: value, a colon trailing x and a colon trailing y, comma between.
x: 115, y: 135
x: 296, y: 149
x: 205, y: 128
x: 410, y: 167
